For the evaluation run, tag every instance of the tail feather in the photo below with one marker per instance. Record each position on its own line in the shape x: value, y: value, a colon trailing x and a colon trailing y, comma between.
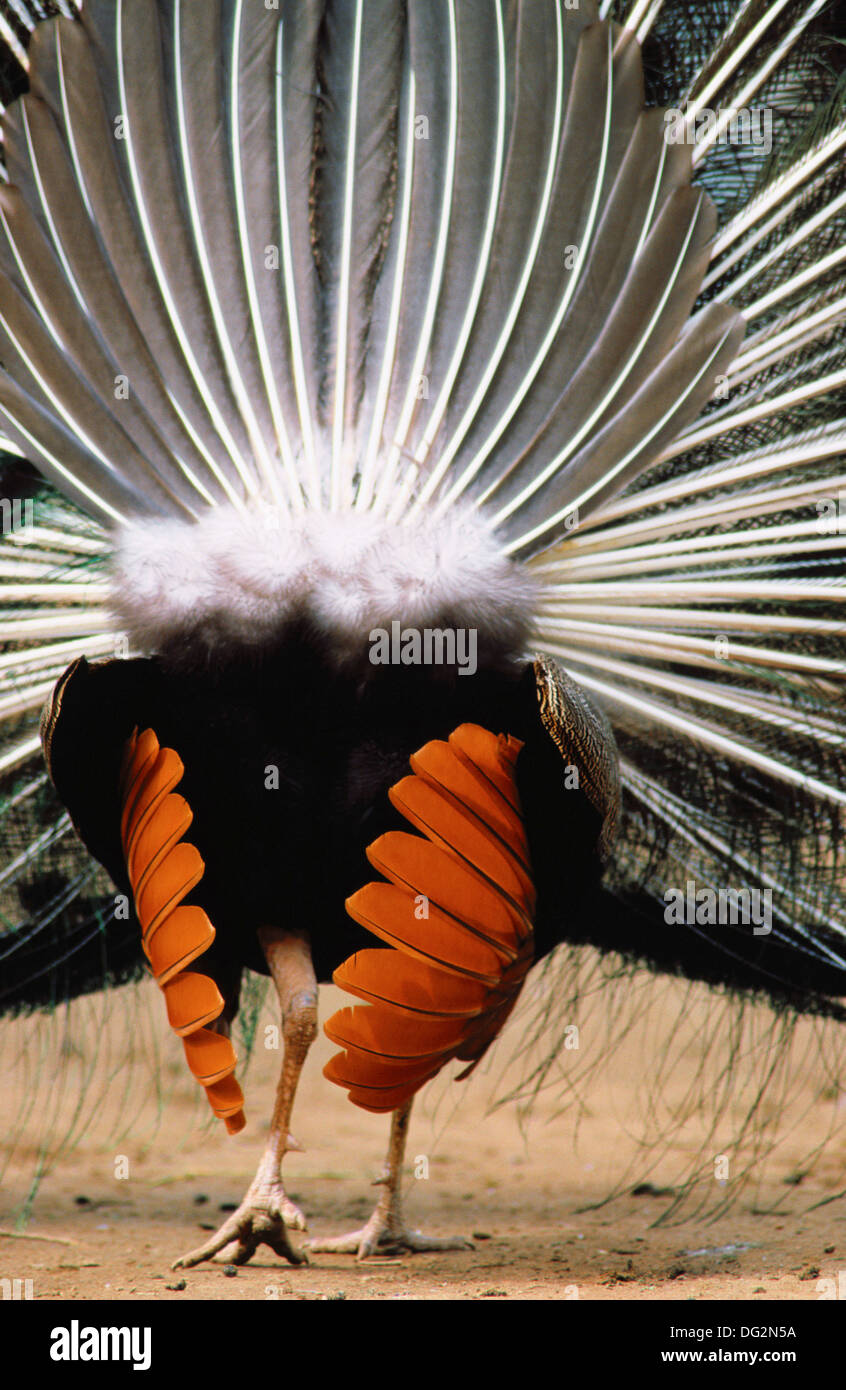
x: 622, y: 449
x: 529, y: 338
x: 150, y: 147
x: 703, y: 605
x: 360, y: 71
x: 226, y: 208
x: 421, y: 343
x: 78, y: 947
x: 399, y: 339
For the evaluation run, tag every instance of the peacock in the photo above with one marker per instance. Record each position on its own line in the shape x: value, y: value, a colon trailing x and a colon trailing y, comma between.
x: 424, y: 521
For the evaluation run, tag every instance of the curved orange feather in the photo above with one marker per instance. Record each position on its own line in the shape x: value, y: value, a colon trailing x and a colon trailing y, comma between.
x: 457, y: 913
x: 162, y: 869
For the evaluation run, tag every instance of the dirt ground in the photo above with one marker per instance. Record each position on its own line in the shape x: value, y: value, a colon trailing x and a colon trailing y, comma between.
x: 118, y: 1201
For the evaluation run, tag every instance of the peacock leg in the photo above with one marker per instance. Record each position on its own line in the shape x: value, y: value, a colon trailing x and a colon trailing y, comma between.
x: 266, y: 1212
x: 386, y: 1232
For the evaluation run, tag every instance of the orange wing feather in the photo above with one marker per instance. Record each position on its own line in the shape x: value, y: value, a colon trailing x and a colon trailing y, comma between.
x: 162, y: 869
x: 457, y: 912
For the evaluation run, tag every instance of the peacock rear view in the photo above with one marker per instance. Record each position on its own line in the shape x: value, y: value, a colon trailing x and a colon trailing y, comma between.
x: 425, y: 525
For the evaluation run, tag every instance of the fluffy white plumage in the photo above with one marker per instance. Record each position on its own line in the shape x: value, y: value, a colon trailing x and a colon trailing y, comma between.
x: 244, y: 575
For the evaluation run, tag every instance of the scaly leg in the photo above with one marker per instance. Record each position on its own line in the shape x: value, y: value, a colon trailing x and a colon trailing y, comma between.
x: 386, y: 1232
x: 266, y: 1211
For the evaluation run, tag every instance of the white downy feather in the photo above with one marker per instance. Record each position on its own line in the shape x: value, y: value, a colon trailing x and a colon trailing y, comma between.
x: 242, y: 576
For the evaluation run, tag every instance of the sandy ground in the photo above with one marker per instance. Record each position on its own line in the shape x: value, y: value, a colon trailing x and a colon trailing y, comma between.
x: 519, y: 1184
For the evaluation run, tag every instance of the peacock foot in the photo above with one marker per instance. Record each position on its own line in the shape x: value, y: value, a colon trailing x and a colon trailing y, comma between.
x: 263, y: 1218
x: 384, y: 1234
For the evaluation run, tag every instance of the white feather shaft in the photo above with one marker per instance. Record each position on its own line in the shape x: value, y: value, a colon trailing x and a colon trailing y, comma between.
x: 811, y: 274
x: 439, y: 408
x: 659, y: 713
x: 742, y: 98
x: 694, y: 591
x: 781, y: 248
x: 12, y: 706
x: 774, y: 406
x: 54, y: 234
x: 717, y: 695
x: 291, y: 299
x: 264, y: 355
x: 711, y: 620
x: 364, y: 497
x: 762, y: 232
x: 804, y: 329
x: 40, y: 451
x: 449, y: 453
x: 183, y: 337
x: 643, y: 31
x: 673, y: 646
x: 678, y: 816
x: 48, y: 837
x: 448, y: 193
x: 757, y: 464
x: 735, y: 55
x: 10, y: 38
x: 340, y: 483
x: 585, y: 244
x: 82, y: 622
x: 607, y: 400
x: 584, y: 497
x: 19, y: 752
x: 219, y: 317
x: 62, y: 652
x: 636, y: 13
x: 780, y: 189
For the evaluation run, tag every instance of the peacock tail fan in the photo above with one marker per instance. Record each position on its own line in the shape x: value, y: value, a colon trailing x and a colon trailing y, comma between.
x: 636, y: 393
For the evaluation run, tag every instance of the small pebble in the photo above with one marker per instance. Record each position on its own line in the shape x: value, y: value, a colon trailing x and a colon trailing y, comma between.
x: 230, y: 1271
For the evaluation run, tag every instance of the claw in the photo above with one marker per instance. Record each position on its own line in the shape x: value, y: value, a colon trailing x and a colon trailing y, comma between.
x: 384, y: 1236
x: 258, y: 1221
x: 292, y: 1216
